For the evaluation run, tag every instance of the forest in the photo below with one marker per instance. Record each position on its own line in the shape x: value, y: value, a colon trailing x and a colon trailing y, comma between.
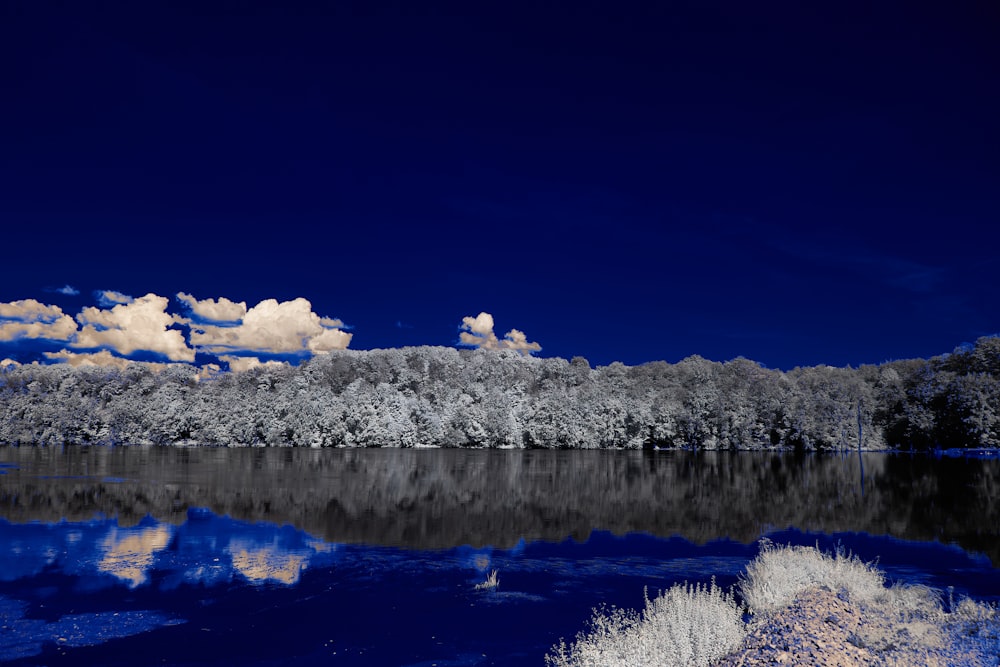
x: 444, y: 397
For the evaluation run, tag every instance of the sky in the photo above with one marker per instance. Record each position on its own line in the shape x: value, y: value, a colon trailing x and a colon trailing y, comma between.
x: 623, y: 181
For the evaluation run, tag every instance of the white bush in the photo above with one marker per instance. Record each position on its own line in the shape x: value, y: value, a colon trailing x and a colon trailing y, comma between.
x: 778, y: 574
x: 684, y: 626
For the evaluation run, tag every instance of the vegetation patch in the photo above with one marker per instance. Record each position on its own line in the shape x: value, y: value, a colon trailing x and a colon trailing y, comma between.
x: 806, y: 608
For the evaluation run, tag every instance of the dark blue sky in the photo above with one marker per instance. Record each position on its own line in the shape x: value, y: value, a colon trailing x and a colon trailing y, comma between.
x: 619, y: 180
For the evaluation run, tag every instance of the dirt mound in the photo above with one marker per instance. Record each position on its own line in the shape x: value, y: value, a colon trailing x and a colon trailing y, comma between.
x: 824, y: 628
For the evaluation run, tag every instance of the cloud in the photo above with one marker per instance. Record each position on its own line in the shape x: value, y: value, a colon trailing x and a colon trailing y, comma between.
x: 480, y: 325
x: 270, y: 327
x: 28, y: 318
x: 108, y: 298
x: 8, y: 362
x: 99, y: 336
x: 139, y: 325
x: 478, y: 332
x: 214, y: 310
x: 68, y: 290
x: 77, y: 359
x: 29, y: 310
x: 103, y: 359
x: 238, y: 364
x: 516, y: 340
x: 331, y: 322
x: 329, y: 339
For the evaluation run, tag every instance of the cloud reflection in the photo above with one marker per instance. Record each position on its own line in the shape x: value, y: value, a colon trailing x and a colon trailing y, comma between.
x: 205, y: 550
x: 128, y: 553
x: 268, y: 563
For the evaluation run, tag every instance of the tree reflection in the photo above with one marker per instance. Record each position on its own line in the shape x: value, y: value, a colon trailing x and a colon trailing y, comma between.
x: 445, y: 498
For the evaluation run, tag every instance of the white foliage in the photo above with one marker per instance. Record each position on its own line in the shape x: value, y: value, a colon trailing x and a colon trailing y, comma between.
x: 778, y: 574
x: 686, y: 626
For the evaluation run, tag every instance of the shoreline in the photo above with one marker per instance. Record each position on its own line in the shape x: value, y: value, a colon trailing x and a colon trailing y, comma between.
x: 823, y: 628
x: 985, y: 453
x: 806, y: 608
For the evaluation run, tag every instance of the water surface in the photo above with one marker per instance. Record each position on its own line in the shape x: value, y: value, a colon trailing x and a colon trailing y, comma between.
x: 289, y: 556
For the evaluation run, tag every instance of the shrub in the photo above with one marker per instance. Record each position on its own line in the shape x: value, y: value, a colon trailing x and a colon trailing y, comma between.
x: 778, y: 574
x: 684, y: 626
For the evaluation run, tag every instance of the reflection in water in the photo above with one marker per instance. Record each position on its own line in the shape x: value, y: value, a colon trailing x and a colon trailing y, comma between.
x: 444, y: 498
x: 25, y: 637
x: 268, y: 563
x: 205, y: 556
x: 37, y: 560
x: 128, y: 553
x: 205, y: 549
x: 213, y: 590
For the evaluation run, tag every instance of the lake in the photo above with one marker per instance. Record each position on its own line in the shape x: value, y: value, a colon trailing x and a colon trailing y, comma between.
x: 209, y: 556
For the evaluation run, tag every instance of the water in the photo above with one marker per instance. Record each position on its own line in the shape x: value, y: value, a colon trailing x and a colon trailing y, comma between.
x: 298, y: 557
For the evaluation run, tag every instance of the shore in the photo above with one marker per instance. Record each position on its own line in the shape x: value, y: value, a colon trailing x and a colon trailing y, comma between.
x: 822, y: 628
x: 807, y: 608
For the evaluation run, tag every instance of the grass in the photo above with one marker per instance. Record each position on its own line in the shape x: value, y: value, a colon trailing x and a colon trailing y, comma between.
x: 491, y: 583
x: 695, y: 626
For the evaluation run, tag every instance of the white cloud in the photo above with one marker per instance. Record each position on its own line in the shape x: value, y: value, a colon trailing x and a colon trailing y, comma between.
x: 329, y: 339
x: 478, y: 332
x: 140, y: 325
x: 77, y: 359
x: 103, y: 358
x: 8, y: 362
x: 217, y: 326
x: 270, y: 327
x: 28, y: 318
x: 237, y: 364
x: 480, y: 325
x: 68, y: 290
x: 215, y: 310
x: 516, y: 340
x: 108, y: 298
x: 29, y: 310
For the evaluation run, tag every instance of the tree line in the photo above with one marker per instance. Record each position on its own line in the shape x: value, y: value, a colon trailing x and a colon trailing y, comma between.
x: 437, y: 396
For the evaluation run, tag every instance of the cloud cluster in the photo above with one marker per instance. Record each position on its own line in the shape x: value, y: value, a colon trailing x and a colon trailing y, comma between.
x: 28, y: 318
x: 138, y: 325
x: 478, y: 332
x: 238, y: 364
x: 214, y: 310
x: 236, y: 335
x: 271, y: 327
x: 124, y: 327
x: 103, y: 359
x: 108, y: 298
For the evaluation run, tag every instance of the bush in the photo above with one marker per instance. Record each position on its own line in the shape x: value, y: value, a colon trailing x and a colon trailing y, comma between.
x: 778, y: 574
x: 684, y: 626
